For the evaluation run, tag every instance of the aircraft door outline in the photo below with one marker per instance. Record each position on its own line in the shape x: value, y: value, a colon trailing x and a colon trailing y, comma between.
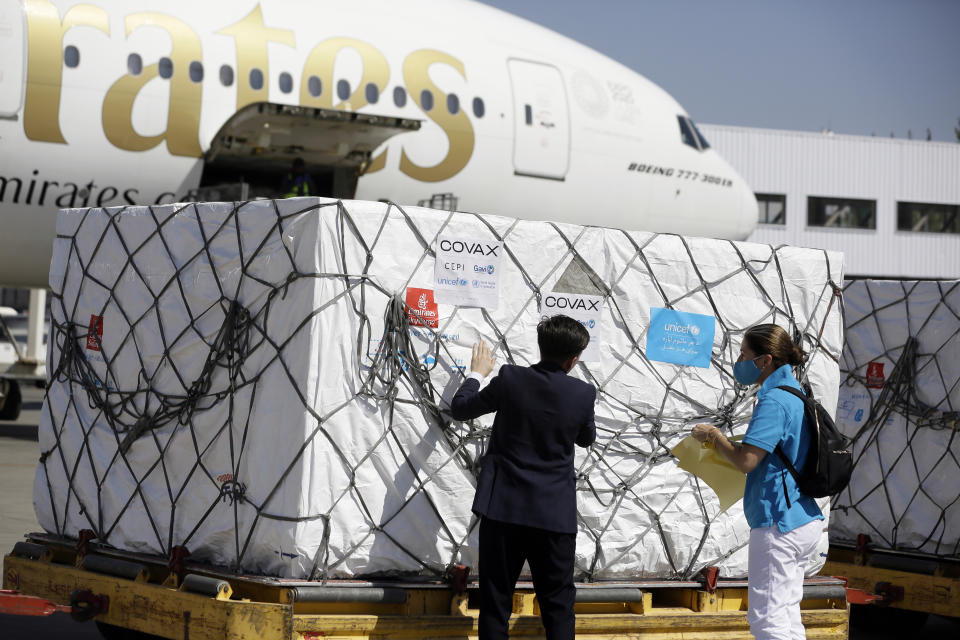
x: 541, y: 123
x: 13, y: 57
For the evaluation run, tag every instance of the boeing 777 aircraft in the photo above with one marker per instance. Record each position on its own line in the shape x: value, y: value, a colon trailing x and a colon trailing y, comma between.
x: 110, y: 102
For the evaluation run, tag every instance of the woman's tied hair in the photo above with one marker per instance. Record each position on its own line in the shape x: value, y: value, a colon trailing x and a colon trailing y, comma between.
x: 774, y: 339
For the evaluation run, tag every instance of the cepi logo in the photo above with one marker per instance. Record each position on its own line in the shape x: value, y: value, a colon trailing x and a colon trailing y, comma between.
x: 592, y: 323
x: 490, y: 269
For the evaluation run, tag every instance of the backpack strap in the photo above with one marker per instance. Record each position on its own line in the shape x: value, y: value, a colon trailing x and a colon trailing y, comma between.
x: 779, y: 450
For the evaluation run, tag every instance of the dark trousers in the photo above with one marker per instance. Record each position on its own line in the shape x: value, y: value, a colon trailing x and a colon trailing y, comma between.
x: 503, y: 549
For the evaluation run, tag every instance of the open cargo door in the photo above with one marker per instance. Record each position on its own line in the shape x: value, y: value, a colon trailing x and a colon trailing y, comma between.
x: 255, y: 149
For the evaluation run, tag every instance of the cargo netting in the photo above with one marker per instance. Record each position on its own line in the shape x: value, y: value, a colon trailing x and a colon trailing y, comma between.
x: 243, y: 380
x: 900, y: 403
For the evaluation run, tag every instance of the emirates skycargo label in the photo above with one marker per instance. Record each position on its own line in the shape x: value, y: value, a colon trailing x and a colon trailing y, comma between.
x: 95, y: 333
x: 422, y: 308
x: 584, y: 309
x: 875, y: 375
x: 467, y: 272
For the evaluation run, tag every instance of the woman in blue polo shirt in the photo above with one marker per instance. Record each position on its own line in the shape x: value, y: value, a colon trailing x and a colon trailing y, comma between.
x: 785, y: 525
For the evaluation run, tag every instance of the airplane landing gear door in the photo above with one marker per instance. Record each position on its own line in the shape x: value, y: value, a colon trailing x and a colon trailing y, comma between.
x: 12, y: 57
x: 541, y: 141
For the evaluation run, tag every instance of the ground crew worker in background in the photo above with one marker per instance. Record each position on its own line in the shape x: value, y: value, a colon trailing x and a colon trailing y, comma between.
x: 298, y: 182
x: 526, y: 489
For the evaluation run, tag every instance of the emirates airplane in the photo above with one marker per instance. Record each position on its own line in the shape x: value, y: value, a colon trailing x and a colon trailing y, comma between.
x: 454, y: 103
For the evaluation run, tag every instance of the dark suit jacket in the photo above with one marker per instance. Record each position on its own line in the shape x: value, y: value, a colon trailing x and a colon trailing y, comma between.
x: 526, y: 475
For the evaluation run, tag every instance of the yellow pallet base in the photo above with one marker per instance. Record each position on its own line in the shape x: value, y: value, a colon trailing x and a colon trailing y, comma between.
x: 935, y: 594
x: 151, y: 607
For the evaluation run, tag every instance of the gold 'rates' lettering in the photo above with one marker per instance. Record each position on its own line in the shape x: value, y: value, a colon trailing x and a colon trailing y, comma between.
x: 457, y: 126
x: 183, y: 115
x: 251, y: 36
x: 41, y: 112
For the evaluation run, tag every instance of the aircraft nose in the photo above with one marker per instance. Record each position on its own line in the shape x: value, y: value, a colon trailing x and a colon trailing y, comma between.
x: 749, y: 210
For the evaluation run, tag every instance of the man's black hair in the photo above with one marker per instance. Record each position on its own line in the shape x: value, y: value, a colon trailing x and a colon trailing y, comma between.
x: 560, y: 338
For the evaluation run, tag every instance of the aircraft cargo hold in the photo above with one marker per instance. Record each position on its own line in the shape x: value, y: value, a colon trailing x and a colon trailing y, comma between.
x: 265, y: 384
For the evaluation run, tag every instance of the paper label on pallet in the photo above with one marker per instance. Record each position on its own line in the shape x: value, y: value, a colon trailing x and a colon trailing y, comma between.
x: 467, y: 272
x: 587, y: 310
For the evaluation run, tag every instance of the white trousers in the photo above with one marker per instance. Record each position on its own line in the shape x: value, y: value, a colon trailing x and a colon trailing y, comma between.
x: 775, y: 579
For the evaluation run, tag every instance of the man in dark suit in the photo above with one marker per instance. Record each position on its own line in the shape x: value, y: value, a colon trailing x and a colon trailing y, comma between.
x: 526, y: 490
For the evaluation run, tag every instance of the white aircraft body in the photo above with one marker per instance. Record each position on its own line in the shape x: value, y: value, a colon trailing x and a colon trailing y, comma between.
x: 109, y: 102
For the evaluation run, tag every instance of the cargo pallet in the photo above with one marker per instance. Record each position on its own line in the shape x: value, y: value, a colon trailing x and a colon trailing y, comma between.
x: 186, y: 601
x: 897, y: 579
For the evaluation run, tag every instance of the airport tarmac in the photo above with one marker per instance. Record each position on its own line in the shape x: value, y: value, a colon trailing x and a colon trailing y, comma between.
x: 19, y: 452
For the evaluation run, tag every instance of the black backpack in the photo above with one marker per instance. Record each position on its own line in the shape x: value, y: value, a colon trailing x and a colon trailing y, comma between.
x: 829, y: 463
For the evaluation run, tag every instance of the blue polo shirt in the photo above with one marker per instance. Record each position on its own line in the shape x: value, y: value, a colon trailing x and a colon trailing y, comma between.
x: 777, y: 418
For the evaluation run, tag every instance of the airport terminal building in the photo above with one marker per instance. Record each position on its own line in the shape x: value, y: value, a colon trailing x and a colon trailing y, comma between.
x: 892, y: 206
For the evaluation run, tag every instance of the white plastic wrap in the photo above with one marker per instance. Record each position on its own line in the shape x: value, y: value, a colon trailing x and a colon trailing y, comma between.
x: 900, y: 401
x: 240, y: 365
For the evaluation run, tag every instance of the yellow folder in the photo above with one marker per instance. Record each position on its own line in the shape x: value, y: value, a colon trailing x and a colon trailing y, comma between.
x: 710, y: 466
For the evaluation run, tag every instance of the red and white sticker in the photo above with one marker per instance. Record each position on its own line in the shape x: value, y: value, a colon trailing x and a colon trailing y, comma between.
x: 421, y: 308
x: 95, y: 332
x: 875, y: 376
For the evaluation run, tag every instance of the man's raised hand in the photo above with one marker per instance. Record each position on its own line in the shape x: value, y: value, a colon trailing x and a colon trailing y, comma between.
x: 482, y: 361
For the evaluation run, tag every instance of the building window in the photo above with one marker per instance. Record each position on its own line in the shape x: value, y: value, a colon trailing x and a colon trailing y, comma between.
x: 841, y: 213
x: 933, y: 218
x: 773, y: 208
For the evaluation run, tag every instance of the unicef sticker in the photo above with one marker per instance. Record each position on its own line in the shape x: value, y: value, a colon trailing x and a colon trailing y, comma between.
x: 680, y: 338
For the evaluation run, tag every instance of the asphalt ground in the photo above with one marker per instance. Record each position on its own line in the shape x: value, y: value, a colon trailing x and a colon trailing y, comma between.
x: 19, y: 453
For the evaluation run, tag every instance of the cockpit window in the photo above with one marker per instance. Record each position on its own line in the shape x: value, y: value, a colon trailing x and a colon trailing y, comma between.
x: 686, y: 133
x: 703, y: 141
